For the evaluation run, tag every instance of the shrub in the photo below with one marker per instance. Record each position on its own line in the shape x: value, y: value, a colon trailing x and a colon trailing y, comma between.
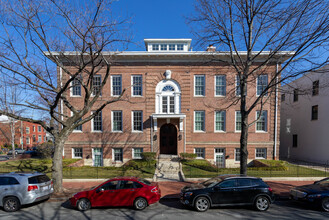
x: 148, y: 155
x: 46, y: 150
x: 188, y: 156
x: 274, y: 165
x: 201, y: 164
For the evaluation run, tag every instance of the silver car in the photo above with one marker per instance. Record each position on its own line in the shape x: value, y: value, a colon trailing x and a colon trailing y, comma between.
x: 18, y: 189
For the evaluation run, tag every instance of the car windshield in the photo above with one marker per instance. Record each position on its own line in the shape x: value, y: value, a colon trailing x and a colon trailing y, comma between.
x: 211, y: 182
x: 323, y: 182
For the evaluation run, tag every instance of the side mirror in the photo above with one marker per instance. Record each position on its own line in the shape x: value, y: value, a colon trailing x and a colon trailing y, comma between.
x: 217, y: 188
x: 100, y: 190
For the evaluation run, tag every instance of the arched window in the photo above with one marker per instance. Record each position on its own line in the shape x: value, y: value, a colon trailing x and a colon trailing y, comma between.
x: 168, y: 97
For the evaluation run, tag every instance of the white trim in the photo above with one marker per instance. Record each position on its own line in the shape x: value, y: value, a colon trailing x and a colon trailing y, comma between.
x: 204, y: 122
x: 93, y: 156
x: 97, y: 75
x: 219, y: 154
x: 92, y: 123
x: 133, y: 153
x: 237, y: 131
x: 117, y: 161
x: 73, y: 155
x: 236, y: 161
x: 257, y: 83
x: 132, y: 121
x: 71, y: 90
x: 261, y: 149
x: 76, y: 131
x: 204, y: 85
x: 132, y: 85
x: 204, y: 152
x: 215, y: 80
x: 112, y: 121
x: 116, y: 75
x: 219, y: 131
x: 261, y: 131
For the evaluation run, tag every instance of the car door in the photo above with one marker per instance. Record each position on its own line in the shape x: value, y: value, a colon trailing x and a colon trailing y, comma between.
x: 244, y: 191
x: 224, y: 192
x: 127, y: 192
x: 107, y: 194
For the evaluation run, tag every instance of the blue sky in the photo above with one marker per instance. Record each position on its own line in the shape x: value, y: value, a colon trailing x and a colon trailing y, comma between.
x: 156, y: 19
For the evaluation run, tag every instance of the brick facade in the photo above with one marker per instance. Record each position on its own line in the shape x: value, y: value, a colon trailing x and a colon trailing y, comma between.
x: 183, y: 74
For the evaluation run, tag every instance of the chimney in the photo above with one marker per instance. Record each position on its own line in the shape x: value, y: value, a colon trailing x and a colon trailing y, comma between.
x: 211, y: 48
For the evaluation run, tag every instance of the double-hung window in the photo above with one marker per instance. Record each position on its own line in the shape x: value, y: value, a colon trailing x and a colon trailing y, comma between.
x: 262, y: 82
x: 220, y: 120
x: 27, y: 130
x: 315, y: 89
x: 237, y: 87
x: 237, y: 155
x: 79, y: 127
x: 116, y: 85
x: 199, y: 85
x: 76, y: 86
x: 76, y: 152
x: 295, y: 95
x: 261, y: 124
x: 199, y: 121
x: 27, y: 140
x: 39, y: 128
x: 220, y: 85
x: 118, y: 154
x: 137, y: 153
x: 137, y: 85
x: 200, y: 153
x: 137, y: 120
x: 261, y: 153
x: 315, y: 112
x: 97, y: 82
x: 97, y: 123
x: 116, y: 121
x: 39, y: 138
x: 238, y: 121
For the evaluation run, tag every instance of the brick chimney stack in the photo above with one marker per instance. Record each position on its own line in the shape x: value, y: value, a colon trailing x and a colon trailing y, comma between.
x: 211, y: 48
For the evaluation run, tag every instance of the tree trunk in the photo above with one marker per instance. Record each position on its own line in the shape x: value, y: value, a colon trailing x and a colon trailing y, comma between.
x: 244, y: 144
x: 57, y: 167
x: 12, y: 128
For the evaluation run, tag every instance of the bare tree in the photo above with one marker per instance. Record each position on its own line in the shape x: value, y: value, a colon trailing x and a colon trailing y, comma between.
x: 39, y: 38
x: 258, y: 35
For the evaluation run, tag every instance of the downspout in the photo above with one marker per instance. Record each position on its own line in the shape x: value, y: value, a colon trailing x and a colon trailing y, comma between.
x: 276, y: 113
x: 151, y: 134
x: 61, y: 83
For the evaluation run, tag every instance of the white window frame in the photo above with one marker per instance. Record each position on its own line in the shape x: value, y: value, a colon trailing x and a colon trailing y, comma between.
x: 261, y: 131
x: 75, y: 130
x: 235, y: 157
x: 112, y: 116
x: 97, y: 76
x: 39, y: 138
x: 133, y: 86
x: 113, y: 158
x: 204, y: 152
x: 33, y: 128
x: 27, y: 140
x: 220, y: 131
x: 114, y: 76
x: 27, y: 130
x: 265, y: 153
x: 215, y: 85
x: 204, y: 122
x: 39, y: 128
x: 215, y: 153
x: 133, y: 152
x: 92, y: 123
x: 204, y: 85
x: 257, y: 80
x: 235, y: 121
x: 72, y: 88
x: 132, y: 121
x: 73, y: 153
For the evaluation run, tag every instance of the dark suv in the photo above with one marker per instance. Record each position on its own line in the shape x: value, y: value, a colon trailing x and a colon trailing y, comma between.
x: 228, y: 190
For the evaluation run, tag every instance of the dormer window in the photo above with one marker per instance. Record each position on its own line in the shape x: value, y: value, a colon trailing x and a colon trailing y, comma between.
x: 172, y: 46
x: 155, y: 46
x: 180, y: 46
x: 163, y: 46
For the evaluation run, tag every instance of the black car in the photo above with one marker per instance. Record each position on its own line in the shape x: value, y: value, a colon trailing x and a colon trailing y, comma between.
x: 317, y: 193
x: 228, y: 190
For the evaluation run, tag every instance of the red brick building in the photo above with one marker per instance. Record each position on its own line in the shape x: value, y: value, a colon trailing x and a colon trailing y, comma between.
x: 178, y: 102
x: 27, y: 134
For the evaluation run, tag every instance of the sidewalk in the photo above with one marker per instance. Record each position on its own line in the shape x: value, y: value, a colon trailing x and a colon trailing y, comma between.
x: 171, y: 190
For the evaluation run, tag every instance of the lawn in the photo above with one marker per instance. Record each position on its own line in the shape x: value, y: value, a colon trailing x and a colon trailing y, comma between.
x: 195, y: 171
x: 137, y: 168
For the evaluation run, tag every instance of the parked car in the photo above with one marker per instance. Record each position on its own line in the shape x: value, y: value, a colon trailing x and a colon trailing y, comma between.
x: 316, y: 193
x: 18, y: 189
x: 228, y: 190
x: 17, y: 151
x: 120, y: 191
x: 33, y: 153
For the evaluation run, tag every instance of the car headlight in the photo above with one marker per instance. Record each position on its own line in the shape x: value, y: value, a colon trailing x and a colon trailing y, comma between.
x: 314, y: 196
x: 188, y: 194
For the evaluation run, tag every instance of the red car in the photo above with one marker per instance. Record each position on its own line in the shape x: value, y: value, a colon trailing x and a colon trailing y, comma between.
x: 120, y: 191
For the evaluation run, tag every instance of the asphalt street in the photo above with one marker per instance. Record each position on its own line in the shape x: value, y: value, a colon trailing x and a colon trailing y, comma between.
x: 168, y: 209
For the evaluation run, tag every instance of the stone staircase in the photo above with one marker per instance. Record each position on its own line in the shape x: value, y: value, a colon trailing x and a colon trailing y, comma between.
x: 168, y: 169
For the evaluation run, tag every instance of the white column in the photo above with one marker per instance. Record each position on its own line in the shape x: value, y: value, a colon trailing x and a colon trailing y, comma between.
x: 177, y: 103
x: 155, y: 124
x: 157, y: 104
x: 181, y: 124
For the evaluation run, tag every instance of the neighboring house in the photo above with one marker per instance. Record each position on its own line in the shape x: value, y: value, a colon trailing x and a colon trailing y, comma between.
x: 304, y: 119
x: 27, y: 134
x: 179, y: 102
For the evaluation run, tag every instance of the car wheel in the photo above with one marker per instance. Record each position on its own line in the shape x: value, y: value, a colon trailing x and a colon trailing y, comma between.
x: 262, y: 203
x: 83, y: 204
x: 11, y: 204
x: 202, y: 204
x: 140, y: 203
x: 325, y: 204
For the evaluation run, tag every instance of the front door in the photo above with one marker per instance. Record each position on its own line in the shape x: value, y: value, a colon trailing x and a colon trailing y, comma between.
x: 220, y: 157
x: 168, y: 139
x: 97, y: 157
